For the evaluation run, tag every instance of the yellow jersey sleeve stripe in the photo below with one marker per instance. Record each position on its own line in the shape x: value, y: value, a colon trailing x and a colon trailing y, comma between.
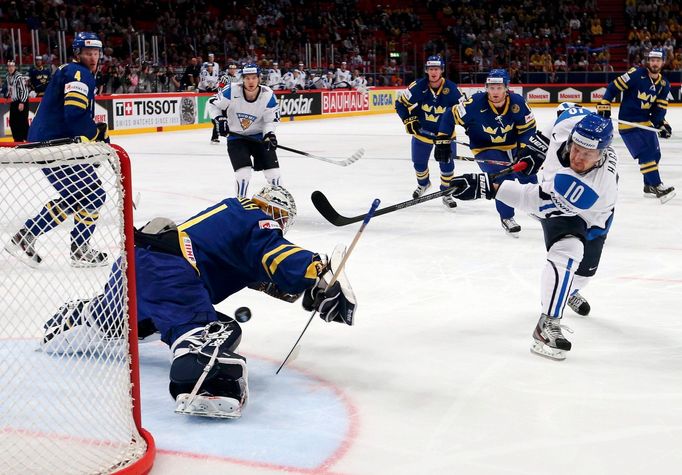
x: 268, y: 255
x: 201, y: 217
x: 313, y: 270
x: 77, y: 95
x: 278, y: 260
x: 75, y: 103
x: 526, y: 126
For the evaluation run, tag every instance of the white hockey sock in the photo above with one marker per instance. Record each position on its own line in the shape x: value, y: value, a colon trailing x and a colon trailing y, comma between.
x: 273, y: 176
x: 242, y: 178
x: 563, y: 259
x: 579, y: 282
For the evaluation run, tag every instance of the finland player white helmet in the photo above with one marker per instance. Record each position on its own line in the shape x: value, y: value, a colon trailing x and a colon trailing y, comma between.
x: 277, y: 202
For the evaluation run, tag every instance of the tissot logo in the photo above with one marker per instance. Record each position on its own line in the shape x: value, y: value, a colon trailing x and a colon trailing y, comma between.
x: 147, y: 107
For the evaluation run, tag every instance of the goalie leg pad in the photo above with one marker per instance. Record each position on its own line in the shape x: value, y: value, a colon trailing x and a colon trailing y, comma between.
x: 207, y: 378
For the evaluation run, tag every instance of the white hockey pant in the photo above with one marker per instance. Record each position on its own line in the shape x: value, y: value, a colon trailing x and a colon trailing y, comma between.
x: 563, y: 259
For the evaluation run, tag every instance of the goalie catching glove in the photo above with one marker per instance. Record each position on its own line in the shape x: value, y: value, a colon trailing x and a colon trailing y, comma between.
x: 335, y: 303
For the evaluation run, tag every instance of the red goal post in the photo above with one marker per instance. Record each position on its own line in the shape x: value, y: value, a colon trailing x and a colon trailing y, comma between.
x: 68, y: 412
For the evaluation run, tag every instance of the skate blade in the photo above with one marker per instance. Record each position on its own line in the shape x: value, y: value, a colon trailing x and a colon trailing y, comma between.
x: 21, y: 255
x: 514, y: 235
x: 668, y: 197
x: 541, y: 349
x: 83, y: 264
x: 208, y: 406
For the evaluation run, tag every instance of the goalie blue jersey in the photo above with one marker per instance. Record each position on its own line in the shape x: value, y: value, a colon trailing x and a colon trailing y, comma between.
x: 68, y: 107
x: 234, y: 243
x: 490, y: 128
x: 427, y: 104
x: 644, y: 101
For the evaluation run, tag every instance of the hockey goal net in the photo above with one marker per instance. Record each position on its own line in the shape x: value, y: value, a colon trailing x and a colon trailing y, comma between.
x: 65, y: 411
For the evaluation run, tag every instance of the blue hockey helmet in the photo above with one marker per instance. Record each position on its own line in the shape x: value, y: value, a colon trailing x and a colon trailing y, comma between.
x: 497, y: 76
x: 434, y: 62
x: 657, y: 53
x: 564, y: 106
x: 593, y: 132
x: 85, y: 39
x: 251, y: 68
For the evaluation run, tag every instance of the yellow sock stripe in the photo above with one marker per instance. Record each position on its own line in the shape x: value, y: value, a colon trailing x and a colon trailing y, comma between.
x: 56, y: 212
x: 422, y: 175
x: 75, y: 103
x: 649, y: 169
x: 88, y: 214
x: 268, y: 255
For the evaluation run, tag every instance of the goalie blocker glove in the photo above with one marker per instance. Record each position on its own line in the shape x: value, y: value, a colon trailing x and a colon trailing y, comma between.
x: 472, y: 186
x: 336, y: 303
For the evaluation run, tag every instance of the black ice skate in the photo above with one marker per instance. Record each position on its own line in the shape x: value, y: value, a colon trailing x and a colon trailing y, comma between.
x: 549, y: 341
x: 85, y: 256
x: 660, y: 191
x: 22, y: 246
x: 511, y: 227
x: 449, y: 202
x: 579, y: 305
x: 420, y: 190
x: 68, y: 331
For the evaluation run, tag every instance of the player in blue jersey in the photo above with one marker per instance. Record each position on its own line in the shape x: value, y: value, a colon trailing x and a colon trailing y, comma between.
x: 499, y: 124
x: 183, y: 271
x: 574, y: 201
x: 419, y: 108
x: 67, y: 111
x: 645, y: 101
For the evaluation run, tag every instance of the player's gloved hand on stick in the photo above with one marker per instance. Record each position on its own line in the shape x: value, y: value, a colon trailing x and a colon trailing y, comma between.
x: 335, y: 303
x: 443, y: 150
x: 666, y: 131
x: 221, y: 124
x: 412, y: 125
x: 604, y: 109
x: 472, y: 186
x: 533, y: 160
x: 270, y: 141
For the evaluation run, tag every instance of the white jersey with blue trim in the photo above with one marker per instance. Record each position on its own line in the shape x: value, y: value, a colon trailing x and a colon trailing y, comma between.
x: 560, y: 190
x: 246, y: 117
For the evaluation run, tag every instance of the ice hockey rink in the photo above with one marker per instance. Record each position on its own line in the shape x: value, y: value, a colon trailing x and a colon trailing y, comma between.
x: 436, y: 376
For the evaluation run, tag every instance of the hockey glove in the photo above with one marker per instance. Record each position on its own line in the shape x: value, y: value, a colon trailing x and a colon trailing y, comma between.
x: 472, y: 186
x: 533, y: 158
x: 604, y: 109
x: 412, y: 125
x: 102, y: 132
x: 270, y: 141
x: 443, y: 150
x: 221, y: 124
x: 666, y: 131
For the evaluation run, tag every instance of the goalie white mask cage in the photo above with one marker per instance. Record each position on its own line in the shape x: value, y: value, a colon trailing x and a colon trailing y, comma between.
x: 71, y: 410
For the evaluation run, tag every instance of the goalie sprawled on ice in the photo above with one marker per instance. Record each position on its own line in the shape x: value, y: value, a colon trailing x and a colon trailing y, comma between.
x: 183, y: 271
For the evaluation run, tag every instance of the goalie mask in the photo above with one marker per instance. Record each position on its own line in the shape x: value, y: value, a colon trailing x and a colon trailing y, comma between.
x: 278, y: 203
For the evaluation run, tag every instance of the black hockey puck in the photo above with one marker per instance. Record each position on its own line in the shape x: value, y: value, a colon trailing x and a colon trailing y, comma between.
x: 242, y: 314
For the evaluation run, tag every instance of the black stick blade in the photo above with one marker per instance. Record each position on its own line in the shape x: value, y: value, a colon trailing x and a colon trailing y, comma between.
x: 328, y: 212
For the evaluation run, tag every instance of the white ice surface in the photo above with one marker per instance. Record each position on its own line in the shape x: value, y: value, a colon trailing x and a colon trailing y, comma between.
x: 436, y: 376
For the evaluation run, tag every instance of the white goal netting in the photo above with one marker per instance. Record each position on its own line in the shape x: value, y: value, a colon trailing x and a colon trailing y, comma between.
x: 66, y: 407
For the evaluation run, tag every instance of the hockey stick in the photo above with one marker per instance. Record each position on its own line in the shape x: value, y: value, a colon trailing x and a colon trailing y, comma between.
x: 639, y: 126
x: 328, y: 212
x: 357, y: 155
x: 366, y: 218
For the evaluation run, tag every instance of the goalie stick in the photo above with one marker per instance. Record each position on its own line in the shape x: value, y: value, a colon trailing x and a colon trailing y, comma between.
x: 357, y: 155
x: 328, y: 212
x: 342, y: 264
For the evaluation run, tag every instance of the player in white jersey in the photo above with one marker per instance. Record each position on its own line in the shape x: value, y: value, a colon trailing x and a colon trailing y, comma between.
x: 294, y: 81
x: 575, y: 199
x: 208, y: 79
x: 359, y: 82
x: 275, y: 80
x: 248, y: 109
x: 342, y: 77
x: 211, y: 60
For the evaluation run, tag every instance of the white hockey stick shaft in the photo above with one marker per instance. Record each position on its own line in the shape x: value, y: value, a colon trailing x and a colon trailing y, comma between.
x: 639, y: 126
